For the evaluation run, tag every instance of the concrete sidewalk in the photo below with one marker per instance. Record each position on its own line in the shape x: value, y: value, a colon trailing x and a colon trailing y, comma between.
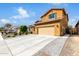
x: 4, y: 49
x: 71, y: 47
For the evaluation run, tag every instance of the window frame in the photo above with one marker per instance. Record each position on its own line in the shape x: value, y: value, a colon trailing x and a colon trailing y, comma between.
x: 54, y: 16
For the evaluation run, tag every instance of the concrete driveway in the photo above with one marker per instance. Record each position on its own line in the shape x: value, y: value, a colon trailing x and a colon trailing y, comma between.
x: 53, y: 48
x: 27, y: 45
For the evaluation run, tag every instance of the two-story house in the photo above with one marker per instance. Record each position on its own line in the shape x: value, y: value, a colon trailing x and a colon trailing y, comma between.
x: 53, y: 22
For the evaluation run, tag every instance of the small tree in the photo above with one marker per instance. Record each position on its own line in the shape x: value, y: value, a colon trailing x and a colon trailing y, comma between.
x: 69, y: 29
x: 23, y: 29
x: 1, y: 29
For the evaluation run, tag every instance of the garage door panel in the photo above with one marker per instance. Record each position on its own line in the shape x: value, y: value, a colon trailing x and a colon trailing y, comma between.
x: 46, y: 31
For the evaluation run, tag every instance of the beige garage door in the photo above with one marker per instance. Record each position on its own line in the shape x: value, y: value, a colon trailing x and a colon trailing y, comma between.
x: 46, y: 31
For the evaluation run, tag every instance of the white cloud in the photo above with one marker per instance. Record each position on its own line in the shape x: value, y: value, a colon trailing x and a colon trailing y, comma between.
x: 22, y: 13
x: 4, y: 21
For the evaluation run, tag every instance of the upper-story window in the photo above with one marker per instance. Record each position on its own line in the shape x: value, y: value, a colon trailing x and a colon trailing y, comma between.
x: 52, y: 16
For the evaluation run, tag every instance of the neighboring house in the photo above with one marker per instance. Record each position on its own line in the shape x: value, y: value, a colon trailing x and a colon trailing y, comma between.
x: 31, y: 29
x: 77, y: 27
x: 74, y: 31
x: 9, y: 30
x: 54, y: 22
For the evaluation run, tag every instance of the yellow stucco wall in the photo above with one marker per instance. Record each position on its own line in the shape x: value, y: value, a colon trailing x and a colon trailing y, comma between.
x: 64, y: 24
x: 55, y: 25
x: 58, y: 12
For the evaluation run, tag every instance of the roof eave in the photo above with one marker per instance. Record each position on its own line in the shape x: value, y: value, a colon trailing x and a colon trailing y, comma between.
x: 54, y: 9
x: 54, y: 21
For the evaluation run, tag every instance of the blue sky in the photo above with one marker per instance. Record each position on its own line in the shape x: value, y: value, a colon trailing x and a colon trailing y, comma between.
x: 28, y: 13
